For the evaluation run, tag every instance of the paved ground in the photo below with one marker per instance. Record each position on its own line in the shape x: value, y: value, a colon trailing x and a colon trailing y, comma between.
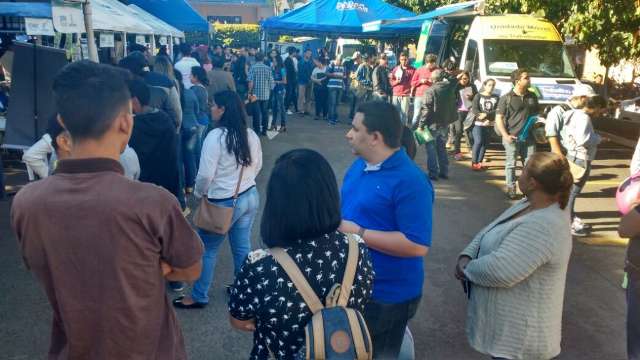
x: 593, y: 323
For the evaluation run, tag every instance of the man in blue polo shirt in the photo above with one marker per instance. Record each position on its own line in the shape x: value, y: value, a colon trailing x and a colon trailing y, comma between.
x: 387, y: 200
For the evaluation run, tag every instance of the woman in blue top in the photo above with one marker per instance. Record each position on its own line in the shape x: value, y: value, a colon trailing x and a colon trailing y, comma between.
x: 280, y: 78
x: 189, y: 134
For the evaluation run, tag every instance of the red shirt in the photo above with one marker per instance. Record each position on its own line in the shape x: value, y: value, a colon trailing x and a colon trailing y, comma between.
x: 401, y: 86
x: 420, y: 74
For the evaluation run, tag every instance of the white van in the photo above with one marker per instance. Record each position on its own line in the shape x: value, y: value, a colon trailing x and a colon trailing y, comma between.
x: 494, y: 46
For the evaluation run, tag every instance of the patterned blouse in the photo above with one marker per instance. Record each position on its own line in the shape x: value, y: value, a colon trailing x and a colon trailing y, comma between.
x: 263, y: 291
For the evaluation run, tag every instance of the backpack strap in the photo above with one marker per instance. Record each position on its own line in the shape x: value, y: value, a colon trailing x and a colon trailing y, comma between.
x: 301, y: 283
x: 349, y: 272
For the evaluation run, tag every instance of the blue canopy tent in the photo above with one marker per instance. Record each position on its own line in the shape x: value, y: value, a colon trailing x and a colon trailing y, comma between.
x: 177, y: 13
x: 26, y: 9
x: 335, y: 18
x: 414, y: 24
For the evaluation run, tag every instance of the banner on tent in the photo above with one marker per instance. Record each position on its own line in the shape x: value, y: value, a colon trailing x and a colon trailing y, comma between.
x: 351, y: 5
x: 36, y: 26
x: 107, y: 40
x: 140, y: 40
x: 163, y: 40
x: 67, y: 17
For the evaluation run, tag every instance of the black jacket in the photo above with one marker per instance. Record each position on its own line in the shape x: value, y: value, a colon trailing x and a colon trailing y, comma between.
x: 439, y: 108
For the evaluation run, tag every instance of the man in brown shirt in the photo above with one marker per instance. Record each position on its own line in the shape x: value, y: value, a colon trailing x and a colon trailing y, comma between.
x: 100, y: 244
x: 219, y: 80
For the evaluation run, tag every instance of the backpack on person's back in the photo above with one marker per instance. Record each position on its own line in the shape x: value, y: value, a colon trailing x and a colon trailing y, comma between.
x: 335, y: 330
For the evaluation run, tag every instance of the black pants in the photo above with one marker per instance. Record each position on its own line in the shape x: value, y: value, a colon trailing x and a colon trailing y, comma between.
x: 387, y: 323
x: 321, y: 95
x: 261, y: 116
x: 633, y: 316
x: 291, y: 95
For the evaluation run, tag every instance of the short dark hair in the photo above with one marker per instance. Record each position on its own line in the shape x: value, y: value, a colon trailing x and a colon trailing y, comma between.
x: 89, y: 96
x: 54, y: 129
x: 137, y: 47
x: 516, y: 74
x: 217, y: 61
x: 185, y: 49
x: 134, y: 62
x: 405, y: 54
x: 384, y: 118
x: 139, y: 90
x: 595, y: 102
x: 259, y: 56
x: 302, y: 199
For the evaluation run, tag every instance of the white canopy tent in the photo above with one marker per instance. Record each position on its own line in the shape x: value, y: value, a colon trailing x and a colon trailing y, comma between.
x: 111, y: 15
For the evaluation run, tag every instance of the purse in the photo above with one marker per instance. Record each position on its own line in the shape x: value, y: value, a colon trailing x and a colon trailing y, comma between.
x: 215, y: 218
x: 577, y: 171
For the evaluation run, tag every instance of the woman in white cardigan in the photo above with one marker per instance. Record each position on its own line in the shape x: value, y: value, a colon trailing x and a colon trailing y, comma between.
x: 514, y: 270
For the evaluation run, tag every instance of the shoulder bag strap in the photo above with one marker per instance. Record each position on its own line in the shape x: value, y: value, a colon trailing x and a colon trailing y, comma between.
x: 235, y: 195
x: 301, y: 283
x: 349, y: 272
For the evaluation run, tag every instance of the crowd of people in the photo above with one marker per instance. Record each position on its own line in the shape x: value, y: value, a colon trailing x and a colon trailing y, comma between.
x: 192, y: 127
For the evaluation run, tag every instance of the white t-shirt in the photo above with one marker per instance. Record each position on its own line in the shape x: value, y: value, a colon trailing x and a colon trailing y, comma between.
x: 184, y: 66
x: 218, y: 174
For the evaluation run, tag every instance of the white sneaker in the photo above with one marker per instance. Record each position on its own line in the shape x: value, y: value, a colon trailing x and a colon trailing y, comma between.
x: 579, y: 224
x: 289, y: 112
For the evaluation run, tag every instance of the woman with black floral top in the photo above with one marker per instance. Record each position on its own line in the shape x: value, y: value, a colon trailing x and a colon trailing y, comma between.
x: 301, y: 215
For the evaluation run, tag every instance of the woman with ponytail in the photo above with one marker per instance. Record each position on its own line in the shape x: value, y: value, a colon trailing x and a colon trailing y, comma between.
x: 514, y: 270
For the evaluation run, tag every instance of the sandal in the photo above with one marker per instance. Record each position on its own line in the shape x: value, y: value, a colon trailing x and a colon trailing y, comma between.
x: 180, y: 305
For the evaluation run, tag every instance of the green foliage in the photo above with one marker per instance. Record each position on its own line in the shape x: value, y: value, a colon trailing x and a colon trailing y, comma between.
x: 236, y: 35
x: 611, y: 26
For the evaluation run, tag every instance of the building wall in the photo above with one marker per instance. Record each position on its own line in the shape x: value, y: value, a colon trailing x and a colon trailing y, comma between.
x: 250, y: 14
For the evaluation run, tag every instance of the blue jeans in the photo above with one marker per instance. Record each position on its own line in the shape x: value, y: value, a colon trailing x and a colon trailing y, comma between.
x: 480, y: 142
x: 198, y: 151
x: 190, y: 140
x: 576, y: 188
x: 417, y: 105
x: 244, y: 215
x: 437, y: 160
x: 334, y: 101
x: 278, y: 109
x: 516, y: 149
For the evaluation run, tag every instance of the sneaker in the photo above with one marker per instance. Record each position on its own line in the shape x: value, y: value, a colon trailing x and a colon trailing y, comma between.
x: 579, y: 232
x: 476, y: 167
x: 176, y: 286
x: 578, y: 223
x: 186, y: 211
x: 458, y: 156
x: 289, y: 112
x: 227, y: 288
x: 512, y: 193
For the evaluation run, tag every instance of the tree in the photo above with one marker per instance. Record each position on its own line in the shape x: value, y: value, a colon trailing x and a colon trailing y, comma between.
x: 611, y: 26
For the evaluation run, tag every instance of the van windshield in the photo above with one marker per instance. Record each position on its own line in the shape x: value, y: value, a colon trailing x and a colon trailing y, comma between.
x: 540, y: 58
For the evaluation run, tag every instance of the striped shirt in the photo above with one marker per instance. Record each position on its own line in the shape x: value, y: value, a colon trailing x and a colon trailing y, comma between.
x: 518, y: 275
x: 262, y: 78
x: 339, y: 71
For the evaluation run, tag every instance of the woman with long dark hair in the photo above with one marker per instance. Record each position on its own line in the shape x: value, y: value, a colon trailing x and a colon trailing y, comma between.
x: 231, y: 155
x: 301, y: 215
x: 514, y: 271
x: 278, y: 108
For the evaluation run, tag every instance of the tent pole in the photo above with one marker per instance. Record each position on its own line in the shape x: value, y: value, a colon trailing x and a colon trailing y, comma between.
x: 88, y: 22
x: 153, y: 44
x: 124, y: 42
